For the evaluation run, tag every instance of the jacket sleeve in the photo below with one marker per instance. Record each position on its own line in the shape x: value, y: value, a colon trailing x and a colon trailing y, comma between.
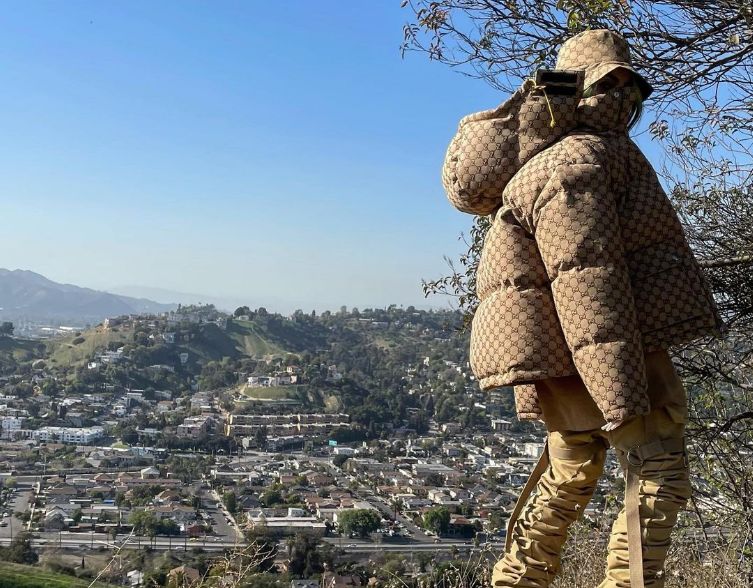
x: 576, y: 226
x: 469, y: 170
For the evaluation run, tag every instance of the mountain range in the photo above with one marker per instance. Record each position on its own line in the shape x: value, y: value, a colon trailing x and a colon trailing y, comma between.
x: 30, y: 296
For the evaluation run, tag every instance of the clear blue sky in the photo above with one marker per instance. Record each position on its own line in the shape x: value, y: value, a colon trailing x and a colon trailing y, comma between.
x: 276, y: 153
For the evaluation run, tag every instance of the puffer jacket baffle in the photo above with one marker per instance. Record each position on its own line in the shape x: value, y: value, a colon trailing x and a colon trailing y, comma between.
x: 586, y: 266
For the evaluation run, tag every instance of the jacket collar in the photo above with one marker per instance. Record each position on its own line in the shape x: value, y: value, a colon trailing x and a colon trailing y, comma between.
x: 608, y: 112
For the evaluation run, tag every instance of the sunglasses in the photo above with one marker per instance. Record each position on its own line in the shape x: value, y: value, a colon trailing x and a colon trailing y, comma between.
x: 612, y: 81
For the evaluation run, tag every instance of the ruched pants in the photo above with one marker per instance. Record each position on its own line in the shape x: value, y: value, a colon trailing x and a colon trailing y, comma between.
x: 652, y: 447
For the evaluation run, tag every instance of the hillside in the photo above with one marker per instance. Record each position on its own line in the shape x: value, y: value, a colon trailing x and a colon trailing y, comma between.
x: 31, y: 296
x: 272, y: 337
x: 16, y: 351
x: 14, y: 575
x: 386, y: 368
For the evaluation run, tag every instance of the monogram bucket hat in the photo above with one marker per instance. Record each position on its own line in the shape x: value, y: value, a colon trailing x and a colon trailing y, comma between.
x: 599, y: 52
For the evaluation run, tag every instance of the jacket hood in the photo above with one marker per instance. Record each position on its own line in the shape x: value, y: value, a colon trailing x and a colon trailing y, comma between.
x: 491, y: 146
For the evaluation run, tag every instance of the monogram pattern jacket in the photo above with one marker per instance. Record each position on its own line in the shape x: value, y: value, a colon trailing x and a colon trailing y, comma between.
x: 586, y: 266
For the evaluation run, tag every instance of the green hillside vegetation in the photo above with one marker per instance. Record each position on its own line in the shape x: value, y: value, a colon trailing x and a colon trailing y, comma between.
x: 246, y: 338
x: 20, y: 576
x: 72, y: 351
x: 17, y: 351
x: 265, y: 337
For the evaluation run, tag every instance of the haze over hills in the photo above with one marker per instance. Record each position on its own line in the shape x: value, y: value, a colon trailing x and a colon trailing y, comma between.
x: 166, y: 296
x: 30, y: 296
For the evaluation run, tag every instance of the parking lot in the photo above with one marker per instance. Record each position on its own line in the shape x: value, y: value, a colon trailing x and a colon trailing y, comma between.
x: 10, y: 526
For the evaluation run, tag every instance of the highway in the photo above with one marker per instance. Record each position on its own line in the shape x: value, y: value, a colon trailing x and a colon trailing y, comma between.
x: 101, y: 540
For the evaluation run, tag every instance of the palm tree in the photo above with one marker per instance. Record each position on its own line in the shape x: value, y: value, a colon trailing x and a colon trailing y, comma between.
x: 397, y: 506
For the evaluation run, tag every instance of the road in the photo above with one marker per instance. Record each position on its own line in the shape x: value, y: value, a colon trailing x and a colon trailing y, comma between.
x: 101, y: 540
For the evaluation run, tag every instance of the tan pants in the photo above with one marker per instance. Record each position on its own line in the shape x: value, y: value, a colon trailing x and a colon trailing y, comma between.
x: 566, y: 486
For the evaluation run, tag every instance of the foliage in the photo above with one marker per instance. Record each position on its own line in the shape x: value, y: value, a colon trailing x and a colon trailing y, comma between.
x: 339, y: 460
x: 305, y: 557
x: 437, y: 519
x: 20, y: 550
x: 230, y: 500
x: 147, y: 523
x: 23, y: 576
x: 359, y: 521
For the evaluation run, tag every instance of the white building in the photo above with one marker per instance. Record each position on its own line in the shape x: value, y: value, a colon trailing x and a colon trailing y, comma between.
x: 533, y: 449
x: 11, y: 424
x: 77, y: 435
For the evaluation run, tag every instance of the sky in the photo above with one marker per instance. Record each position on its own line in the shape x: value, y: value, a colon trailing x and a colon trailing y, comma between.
x: 277, y: 154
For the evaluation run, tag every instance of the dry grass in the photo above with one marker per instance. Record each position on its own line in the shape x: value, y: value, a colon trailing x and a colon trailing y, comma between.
x: 691, y: 564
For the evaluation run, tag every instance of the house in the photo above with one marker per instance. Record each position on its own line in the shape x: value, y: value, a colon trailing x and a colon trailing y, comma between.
x: 167, y: 496
x: 55, y: 520
x: 62, y: 491
x: 501, y: 425
x: 195, y: 530
x: 330, y: 580
x: 247, y: 502
x: 177, y: 512
x: 183, y: 577
x: 149, y: 473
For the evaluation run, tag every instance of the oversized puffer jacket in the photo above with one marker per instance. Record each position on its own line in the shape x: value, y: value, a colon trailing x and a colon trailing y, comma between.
x: 586, y: 266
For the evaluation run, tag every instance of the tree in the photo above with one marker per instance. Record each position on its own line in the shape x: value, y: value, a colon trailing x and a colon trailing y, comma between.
x: 230, y: 500
x: 167, y: 527
x: 359, y: 521
x: 270, y: 497
x: 437, y: 519
x: 260, y: 437
x: 6, y: 329
x: 435, y: 479
x: 339, y: 459
x: 304, y: 556
x: 497, y: 520
x: 20, y: 550
x: 144, y: 522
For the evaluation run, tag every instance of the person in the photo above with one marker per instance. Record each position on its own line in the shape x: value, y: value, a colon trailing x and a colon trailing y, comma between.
x: 584, y: 282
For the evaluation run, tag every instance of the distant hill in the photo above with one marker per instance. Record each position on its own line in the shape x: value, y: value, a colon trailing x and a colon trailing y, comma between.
x: 30, y: 296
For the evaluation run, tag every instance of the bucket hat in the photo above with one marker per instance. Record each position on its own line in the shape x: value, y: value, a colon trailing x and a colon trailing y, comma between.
x: 599, y: 52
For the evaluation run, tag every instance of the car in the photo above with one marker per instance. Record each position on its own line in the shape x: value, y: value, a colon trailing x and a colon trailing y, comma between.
x: 352, y: 545
x: 5, y: 515
x: 3, y: 523
x: 194, y: 539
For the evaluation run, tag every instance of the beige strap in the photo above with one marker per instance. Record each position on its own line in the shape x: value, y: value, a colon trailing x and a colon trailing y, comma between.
x: 632, y: 462
x: 579, y: 452
x: 637, y: 455
x: 633, y: 520
x: 533, y: 479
